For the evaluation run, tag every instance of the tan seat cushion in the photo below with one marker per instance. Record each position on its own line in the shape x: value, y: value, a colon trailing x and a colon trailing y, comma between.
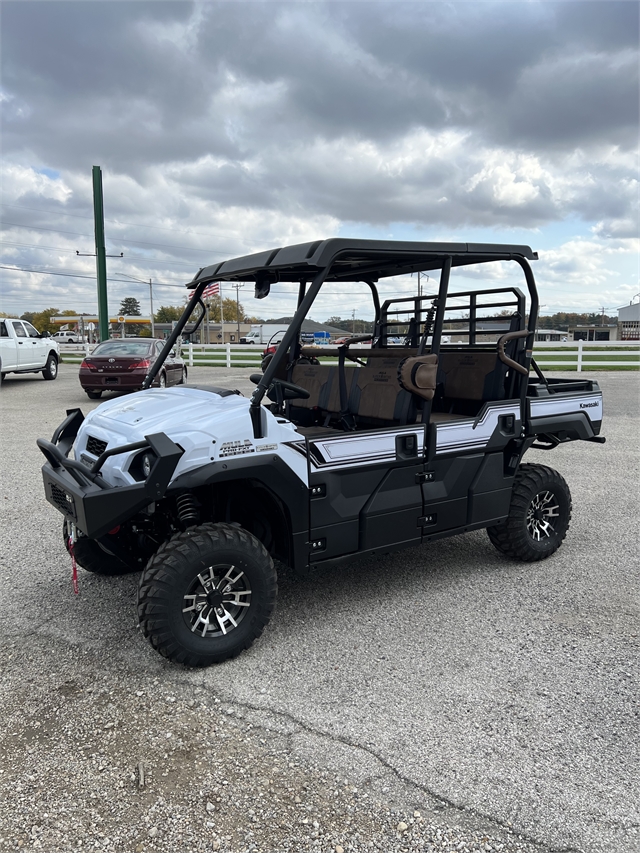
x: 471, y: 375
x: 318, y: 380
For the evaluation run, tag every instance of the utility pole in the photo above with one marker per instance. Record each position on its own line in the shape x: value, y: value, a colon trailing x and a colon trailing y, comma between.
x: 602, y: 321
x: 101, y: 261
x: 221, y: 313
x: 153, y: 328
x: 237, y: 286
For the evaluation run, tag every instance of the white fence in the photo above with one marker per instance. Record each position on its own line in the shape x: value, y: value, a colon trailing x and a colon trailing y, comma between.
x: 573, y: 355
x: 581, y: 355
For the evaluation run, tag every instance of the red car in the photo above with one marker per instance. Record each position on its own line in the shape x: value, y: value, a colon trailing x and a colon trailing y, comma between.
x: 122, y: 364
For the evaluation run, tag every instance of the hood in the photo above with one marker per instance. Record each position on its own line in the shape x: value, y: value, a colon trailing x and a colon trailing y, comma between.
x: 157, y: 409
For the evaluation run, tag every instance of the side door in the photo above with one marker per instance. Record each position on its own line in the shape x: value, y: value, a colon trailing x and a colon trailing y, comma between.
x: 38, y: 347
x: 365, y: 491
x: 468, y: 479
x: 8, y: 348
x: 23, y: 345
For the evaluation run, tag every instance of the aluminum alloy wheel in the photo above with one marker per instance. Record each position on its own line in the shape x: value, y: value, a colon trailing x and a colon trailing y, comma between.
x: 217, y: 601
x: 543, y: 509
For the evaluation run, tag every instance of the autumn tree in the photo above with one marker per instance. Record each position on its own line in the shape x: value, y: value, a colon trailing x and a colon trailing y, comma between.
x: 41, y: 319
x: 167, y: 314
x: 233, y: 311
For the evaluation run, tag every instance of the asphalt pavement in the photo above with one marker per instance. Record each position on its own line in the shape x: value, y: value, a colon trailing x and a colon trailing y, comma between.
x: 494, y: 699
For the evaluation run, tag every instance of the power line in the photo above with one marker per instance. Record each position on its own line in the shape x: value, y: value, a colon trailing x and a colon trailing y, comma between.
x: 116, y: 221
x: 90, y: 277
x: 115, y: 240
x: 73, y: 252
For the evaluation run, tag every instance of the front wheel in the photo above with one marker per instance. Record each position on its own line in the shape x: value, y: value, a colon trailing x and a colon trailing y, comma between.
x: 539, y: 515
x: 51, y: 367
x: 207, y: 594
x: 183, y: 377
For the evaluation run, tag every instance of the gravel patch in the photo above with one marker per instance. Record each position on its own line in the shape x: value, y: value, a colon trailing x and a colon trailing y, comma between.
x: 89, y: 763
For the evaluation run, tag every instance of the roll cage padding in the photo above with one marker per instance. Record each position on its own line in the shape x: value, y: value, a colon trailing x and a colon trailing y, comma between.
x: 419, y: 375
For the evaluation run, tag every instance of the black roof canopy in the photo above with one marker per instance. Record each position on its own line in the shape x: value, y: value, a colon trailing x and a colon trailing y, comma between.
x: 356, y: 260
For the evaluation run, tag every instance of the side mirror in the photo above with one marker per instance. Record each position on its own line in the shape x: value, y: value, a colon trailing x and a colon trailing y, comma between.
x: 45, y: 334
x: 172, y: 354
x: 263, y: 285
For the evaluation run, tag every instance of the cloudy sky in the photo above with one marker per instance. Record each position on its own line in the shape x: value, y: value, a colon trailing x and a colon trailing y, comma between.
x: 227, y: 128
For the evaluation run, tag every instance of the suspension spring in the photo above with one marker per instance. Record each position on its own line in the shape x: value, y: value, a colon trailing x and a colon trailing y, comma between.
x: 188, y: 512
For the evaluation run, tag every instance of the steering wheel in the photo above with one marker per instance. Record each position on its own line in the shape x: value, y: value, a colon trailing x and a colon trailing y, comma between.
x: 281, y: 390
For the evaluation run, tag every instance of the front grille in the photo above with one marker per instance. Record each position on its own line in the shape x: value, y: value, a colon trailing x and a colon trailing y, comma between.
x: 95, y: 447
x: 62, y: 500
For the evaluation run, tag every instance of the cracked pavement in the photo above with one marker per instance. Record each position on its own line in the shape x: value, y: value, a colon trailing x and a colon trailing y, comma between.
x: 497, y: 701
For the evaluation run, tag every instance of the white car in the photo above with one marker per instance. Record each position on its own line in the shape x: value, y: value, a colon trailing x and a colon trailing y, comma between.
x: 68, y: 337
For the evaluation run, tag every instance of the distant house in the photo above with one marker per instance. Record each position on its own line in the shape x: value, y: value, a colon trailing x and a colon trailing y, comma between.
x: 629, y: 322
x: 547, y: 335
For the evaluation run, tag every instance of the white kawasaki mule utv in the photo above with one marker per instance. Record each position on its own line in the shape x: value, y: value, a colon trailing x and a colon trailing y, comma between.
x: 356, y: 450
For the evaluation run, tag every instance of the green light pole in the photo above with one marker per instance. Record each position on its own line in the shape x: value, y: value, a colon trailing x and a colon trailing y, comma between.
x: 101, y: 257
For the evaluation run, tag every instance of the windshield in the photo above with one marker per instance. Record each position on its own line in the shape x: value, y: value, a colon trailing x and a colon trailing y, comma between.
x: 122, y: 348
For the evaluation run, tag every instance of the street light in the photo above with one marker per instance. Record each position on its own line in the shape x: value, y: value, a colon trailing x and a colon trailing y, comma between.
x: 153, y: 328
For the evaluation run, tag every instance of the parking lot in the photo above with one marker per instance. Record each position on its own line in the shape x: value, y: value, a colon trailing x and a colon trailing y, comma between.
x: 445, y: 689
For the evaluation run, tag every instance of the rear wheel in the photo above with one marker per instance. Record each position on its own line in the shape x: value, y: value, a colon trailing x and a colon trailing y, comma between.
x: 51, y: 367
x: 539, y: 515
x: 94, y: 395
x: 162, y: 380
x: 95, y: 559
x: 207, y: 594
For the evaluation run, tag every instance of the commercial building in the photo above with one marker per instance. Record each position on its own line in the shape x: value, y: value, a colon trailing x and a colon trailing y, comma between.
x: 629, y: 322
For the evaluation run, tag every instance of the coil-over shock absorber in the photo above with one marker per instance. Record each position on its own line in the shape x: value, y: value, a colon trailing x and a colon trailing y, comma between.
x: 188, y: 511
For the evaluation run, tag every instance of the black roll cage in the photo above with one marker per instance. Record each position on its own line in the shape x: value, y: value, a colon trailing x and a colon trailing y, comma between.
x: 343, y: 260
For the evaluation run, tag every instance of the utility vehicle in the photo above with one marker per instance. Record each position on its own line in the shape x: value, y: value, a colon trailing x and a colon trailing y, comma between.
x: 340, y: 452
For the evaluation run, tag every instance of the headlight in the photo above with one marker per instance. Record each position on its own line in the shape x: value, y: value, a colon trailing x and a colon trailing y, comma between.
x: 147, y: 464
x: 141, y: 465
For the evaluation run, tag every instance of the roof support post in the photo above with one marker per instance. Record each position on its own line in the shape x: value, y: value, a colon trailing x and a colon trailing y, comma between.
x: 175, y: 334
x: 290, y: 337
x: 442, y: 301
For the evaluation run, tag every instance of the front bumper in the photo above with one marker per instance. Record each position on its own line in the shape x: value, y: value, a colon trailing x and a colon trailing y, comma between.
x: 84, y: 497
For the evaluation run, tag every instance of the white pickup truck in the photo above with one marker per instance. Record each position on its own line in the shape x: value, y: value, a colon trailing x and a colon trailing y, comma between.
x: 24, y: 350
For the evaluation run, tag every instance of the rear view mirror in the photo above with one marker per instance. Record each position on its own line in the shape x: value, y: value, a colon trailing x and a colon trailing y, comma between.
x: 263, y: 286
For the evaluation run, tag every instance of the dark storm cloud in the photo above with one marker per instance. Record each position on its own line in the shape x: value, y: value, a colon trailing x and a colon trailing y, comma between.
x: 426, y: 112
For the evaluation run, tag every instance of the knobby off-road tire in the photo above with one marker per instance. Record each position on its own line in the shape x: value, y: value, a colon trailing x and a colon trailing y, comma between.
x: 51, y: 367
x: 539, y: 515
x: 92, y: 558
x: 194, y: 592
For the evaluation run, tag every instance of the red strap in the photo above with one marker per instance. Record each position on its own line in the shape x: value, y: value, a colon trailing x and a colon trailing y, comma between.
x: 74, y: 567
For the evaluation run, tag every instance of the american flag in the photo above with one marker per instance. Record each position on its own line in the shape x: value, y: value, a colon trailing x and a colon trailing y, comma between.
x: 212, y: 289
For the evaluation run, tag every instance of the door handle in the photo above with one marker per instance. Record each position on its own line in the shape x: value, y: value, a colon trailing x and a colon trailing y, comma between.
x: 407, y: 446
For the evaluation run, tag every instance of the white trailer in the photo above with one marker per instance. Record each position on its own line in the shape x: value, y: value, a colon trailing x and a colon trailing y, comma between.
x: 265, y: 333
